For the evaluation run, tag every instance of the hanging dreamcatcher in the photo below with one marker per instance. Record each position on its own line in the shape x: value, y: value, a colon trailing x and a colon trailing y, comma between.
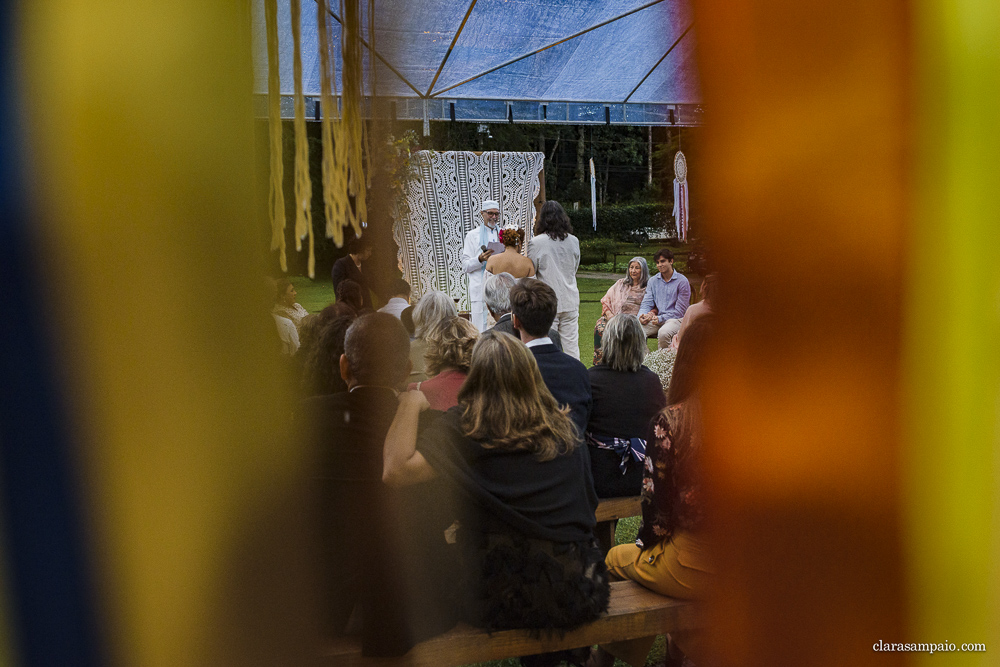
x: 681, y: 199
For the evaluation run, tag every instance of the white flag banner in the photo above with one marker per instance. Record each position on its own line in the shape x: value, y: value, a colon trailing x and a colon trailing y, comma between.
x: 681, y: 208
x: 593, y: 193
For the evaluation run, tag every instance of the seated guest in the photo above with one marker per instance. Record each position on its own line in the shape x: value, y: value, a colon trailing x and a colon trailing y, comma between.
x: 349, y: 301
x: 696, y: 310
x: 670, y: 555
x: 661, y: 362
x: 399, y: 298
x: 350, y: 268
x: 288, y: 334
x: 625, y: 296
x: 432, y: 309
x: 284, y: 303
x: 668, y: 295
x: 496, y: 295
x: 449, y: 349
x: 406, y: 317
x: 627, y: 396
x: 533, y: 309
x: 510, y: 260
x: 384, y: 555
x: 321, y: 364
x: 526, y: 528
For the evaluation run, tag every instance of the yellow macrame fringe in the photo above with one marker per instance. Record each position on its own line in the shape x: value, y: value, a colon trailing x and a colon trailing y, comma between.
x: 343, y: 171
x: 276, y: 196
x: 303, y: 183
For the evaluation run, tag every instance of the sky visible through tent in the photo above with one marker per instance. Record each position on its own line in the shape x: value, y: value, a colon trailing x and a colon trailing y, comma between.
x: 604, y: 52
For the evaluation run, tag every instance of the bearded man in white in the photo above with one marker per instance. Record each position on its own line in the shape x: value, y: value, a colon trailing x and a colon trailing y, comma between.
x: 475, y: 252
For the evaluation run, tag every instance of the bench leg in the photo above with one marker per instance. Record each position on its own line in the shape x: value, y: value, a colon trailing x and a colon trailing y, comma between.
x: 605, y: 534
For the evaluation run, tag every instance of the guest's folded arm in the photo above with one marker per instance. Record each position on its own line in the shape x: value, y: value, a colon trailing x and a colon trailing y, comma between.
x: 402, y: 464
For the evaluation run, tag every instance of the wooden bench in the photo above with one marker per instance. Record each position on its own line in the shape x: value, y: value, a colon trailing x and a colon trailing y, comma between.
x: 608, y: 512
x: 634, y: 612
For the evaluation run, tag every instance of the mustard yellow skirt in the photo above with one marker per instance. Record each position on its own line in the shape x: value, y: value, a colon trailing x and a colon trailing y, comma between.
x: 679, y: 568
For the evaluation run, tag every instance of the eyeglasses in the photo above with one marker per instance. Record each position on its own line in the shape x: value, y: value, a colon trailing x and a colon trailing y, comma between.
x: 493, y: 214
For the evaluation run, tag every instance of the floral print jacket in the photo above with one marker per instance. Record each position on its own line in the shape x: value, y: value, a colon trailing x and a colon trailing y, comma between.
x: 671, y: 499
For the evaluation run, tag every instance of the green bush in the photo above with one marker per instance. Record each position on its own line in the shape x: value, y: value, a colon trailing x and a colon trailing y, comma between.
x: 629, y: 223
x: 596, y: 250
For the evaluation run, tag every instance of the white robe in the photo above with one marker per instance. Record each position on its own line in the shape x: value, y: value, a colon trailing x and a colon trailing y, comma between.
x: 474, y: 240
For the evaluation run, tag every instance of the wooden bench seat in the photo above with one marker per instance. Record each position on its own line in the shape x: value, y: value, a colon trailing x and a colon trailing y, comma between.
x: 608, y: 512
x: 634, y: 612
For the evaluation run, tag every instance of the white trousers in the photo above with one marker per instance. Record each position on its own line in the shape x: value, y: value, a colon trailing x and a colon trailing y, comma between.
x: 568, y: 326
x: 664, y: 333
x: 479, y: 316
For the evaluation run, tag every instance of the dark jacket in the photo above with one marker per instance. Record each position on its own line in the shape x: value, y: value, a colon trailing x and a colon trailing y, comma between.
x: 568, y: 381
x: 377, y: 549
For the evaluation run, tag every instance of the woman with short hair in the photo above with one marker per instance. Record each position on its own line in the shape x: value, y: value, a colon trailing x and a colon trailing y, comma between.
x: 526, y: 528
x: 433, y: 308
x: 556, y: 255
x: 625, y: 296
x: 626, y: 395
x: 447, y: 359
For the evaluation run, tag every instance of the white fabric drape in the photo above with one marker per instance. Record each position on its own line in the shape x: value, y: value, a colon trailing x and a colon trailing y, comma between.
x: 444, y: 201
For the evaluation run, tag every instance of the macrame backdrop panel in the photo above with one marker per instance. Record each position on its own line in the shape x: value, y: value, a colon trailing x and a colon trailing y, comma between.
x: 444, y: 201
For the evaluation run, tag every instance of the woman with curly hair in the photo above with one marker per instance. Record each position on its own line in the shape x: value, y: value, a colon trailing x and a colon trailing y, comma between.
x: 449, y: 352
x: 513, y: 455
x: 511, y: 260
x: 556, y: 254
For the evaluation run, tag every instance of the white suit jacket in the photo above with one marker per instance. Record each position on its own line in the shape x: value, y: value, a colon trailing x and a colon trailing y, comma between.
x: 474, y: 240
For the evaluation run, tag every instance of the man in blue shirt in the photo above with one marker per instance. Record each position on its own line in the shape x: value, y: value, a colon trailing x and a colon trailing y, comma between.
x: 670, y: 293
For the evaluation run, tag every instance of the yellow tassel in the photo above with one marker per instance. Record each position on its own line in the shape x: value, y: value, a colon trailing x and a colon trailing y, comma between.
x: 343, y: 140
x: 276, y: 197
x: 303, y: 184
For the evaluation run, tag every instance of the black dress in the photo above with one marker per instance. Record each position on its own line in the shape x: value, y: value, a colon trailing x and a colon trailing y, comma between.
x: 382, y: 548
x: 529, y: 556
x: 624, y: 404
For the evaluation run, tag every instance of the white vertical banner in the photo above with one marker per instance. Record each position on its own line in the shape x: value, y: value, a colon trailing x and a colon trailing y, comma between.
x: 593, y: 193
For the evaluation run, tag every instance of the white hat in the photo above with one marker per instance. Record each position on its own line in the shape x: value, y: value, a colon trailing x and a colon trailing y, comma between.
x: 489, y: 205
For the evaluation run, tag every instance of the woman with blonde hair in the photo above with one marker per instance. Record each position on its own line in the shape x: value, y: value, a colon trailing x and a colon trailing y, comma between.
x: 447, y: 359
x: 527, y: 534
x: 433, y: 308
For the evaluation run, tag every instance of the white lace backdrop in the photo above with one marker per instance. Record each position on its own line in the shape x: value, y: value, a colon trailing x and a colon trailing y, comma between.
x: 444, y: 202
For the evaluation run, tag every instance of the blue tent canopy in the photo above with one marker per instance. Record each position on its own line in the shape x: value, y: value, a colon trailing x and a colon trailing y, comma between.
x: 559, y: 61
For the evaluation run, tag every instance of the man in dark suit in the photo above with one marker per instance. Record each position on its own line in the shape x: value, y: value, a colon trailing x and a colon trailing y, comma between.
x: 383, y: 550
x: 349, y: 267
x: 496, y: 294
x: 533, y: 309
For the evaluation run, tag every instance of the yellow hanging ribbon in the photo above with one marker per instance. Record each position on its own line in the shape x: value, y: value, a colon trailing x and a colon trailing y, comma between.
x: 343, y: 140
x: 303, y: 183
x: 276, y: 196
